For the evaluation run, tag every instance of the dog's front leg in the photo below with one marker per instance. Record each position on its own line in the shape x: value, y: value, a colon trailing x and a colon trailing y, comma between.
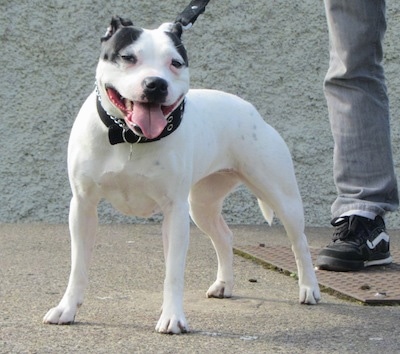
x: 176, y: 240
x: 83, y: 225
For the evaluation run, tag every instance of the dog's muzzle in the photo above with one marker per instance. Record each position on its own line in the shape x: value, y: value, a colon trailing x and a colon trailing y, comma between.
x: 120, y: 132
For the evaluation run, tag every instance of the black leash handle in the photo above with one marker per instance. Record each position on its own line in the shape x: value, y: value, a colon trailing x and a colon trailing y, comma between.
x: 189, y: 15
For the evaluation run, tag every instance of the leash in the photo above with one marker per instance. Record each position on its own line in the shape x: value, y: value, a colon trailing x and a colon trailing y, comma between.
x: 189, y: 15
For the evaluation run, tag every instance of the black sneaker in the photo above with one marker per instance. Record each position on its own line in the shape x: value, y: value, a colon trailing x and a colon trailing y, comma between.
x: 358, y: 242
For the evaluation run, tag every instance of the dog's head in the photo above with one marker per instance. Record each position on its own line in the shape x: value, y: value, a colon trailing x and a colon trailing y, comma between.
x: 142, y: 75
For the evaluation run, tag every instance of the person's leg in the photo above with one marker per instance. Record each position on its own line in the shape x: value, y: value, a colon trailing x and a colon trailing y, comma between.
x: 358, y: 108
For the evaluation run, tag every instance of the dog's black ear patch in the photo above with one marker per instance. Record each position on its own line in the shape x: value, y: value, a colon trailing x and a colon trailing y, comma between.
x: 116, y: 23
x: 175, y: 34
x: 177, y: 29
x: 120, y: 34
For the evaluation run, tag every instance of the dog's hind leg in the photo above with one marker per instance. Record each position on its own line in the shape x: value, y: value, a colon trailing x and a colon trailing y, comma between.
x: 291, y: 217
x: 83, y: 225
x: 276, y: 189
x: 206, y: 199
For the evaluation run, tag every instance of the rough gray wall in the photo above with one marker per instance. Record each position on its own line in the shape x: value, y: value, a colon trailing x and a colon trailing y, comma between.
x: 272, y: 53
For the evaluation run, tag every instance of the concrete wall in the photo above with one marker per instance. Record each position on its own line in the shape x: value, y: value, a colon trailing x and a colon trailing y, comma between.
x: 272, y: 53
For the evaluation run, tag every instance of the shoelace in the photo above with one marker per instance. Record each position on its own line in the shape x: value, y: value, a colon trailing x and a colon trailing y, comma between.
x: 355, y: 228
x: 342, y: 228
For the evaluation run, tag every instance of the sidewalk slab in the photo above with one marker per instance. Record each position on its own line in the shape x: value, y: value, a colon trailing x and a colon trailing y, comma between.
x: 123, y: 300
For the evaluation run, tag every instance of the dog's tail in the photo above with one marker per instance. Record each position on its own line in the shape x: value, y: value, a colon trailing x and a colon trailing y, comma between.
x: 188, y: 16
x: 267, y: 211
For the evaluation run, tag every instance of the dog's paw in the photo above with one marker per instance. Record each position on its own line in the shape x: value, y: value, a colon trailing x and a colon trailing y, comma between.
x: 172, y: 324
x: 61, y: 315
x: 220, y: 290
x: 309, y: 295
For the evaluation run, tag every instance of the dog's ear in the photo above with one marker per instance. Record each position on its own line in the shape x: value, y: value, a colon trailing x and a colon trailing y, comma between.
x: 189, y: 15
x: 177, y: 29
x: 116, y: 23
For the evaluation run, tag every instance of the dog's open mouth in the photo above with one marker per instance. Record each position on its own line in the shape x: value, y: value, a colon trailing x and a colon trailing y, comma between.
x: 143, y: 118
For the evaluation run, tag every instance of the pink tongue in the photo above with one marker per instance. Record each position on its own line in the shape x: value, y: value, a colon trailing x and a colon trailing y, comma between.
x: 148, y: 117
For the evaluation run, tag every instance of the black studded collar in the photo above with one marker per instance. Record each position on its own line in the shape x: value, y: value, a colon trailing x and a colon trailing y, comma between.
x: 118, y: 131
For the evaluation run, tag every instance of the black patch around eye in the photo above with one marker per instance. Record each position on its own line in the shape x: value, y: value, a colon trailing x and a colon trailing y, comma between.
x: 122, y: 38
x: 179, y: 47
x: 126, y: 36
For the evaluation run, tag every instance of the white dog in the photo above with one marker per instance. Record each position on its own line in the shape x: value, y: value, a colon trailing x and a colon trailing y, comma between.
x: 147, y: 143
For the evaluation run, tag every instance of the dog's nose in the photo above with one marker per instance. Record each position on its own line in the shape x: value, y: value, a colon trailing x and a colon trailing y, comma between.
x: 155, y: 89
x: 155, y: 85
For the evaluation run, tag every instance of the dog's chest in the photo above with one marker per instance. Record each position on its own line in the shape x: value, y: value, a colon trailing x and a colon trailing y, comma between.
x: 131, y: 193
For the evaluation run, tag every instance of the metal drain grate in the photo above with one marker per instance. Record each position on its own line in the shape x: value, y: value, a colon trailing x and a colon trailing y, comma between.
x: 374, y: 285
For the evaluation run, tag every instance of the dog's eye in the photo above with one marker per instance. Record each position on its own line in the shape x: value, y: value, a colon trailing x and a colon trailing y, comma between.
x: 176, y: 64
x: 129, y: 58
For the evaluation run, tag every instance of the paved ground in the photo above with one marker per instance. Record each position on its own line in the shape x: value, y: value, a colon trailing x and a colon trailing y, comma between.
x: 123, y: 301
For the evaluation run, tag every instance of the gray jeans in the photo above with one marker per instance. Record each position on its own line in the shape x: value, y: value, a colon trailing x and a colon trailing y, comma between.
x: 358, y: 107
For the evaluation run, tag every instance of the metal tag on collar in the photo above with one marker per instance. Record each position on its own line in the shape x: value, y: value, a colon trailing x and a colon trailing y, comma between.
x: 124, y: 131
